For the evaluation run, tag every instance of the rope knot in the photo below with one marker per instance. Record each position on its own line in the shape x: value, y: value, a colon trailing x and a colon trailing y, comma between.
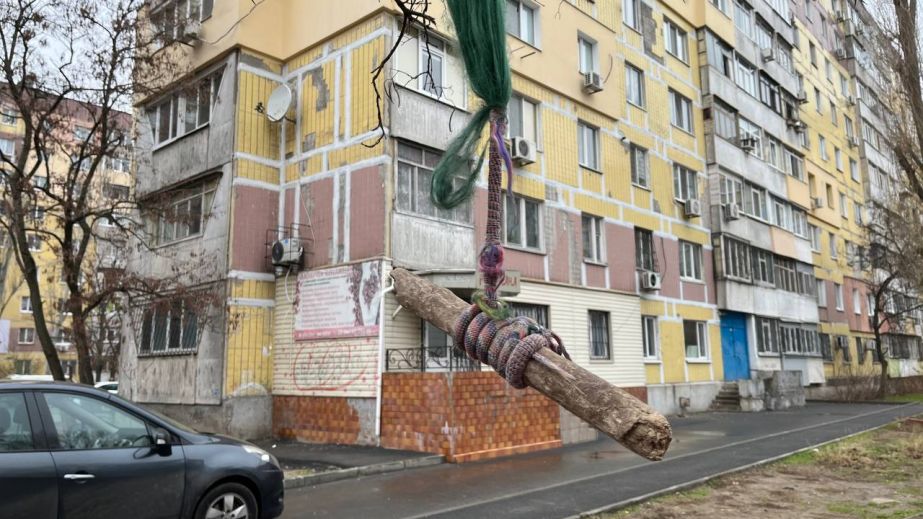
x: 506, y: 345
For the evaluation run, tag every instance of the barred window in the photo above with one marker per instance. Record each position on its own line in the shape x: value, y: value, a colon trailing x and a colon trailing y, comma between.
x: 599, y: 334
x: 736, y: 259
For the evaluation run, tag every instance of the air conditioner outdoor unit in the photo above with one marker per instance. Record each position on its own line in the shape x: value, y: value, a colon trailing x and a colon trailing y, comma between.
x: 747, y: 144
x: 592, y: 83
x: 799, y: 126
x: 692, y: 208
x: 190, y: 34
x: 801, y: 97
x: 793, y: 121
x: 852, y: 142
x: 523, y: 151
x: 768, y: 54
x: 817, y: 202
x: 840, y: 54
x: 851, y: 101
x: 650, y: 280
x: 287, y: 252
x: 732, y: 212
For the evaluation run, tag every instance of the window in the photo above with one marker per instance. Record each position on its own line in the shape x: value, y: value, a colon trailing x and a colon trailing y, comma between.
x: 433, y: 67
x: 799, y: 222
x: 833, y: 116
x: 833, y: 249
x: 743, y: 17
x: 8, y: 116
x: 766, y: 335
x: 634, y: 81
x: 169, y: 326
x: 34, y: 241
x: 847, y: 122
x: 651, y: 337
x: 750, y: 136
x: 763, y: 266
x: 592, y: 230
x: 587, y: 54
x: 830, y: 200
x: 826, y: 349
x: 794, y: 164
x: 523, y: 220
x: 690, y: 260
x: 853, y: 170
x: 815, y: 237
x: 731, y: 191
x: 822, y: 144
x: 695, y: 335
x: 599, y: 334
x: 680, y: 111
x: 817, y: 101
x: 675, y: 40
x: 838, y: 158
x: 520, y: 21
x: 7, y: 150
x: 631, y: 14
x: 736, y: 259
x: 685, y: 183
x: 587, y: 145
x: 721, y: 5
x: 769, y: 94
x: 838, y: 296
x: 414, y: 181
x: 784, y: 55
x: 81, y: 133
x: 781, y: 214
x: 856, y: 302
x: 25, y: 304
x: 773, y: 151
x: 83, y: 422
x: 763, y: 34
x: 644, y: 249
x: 26, y: 335
x: 813, y: 53
x: 185, y: 216
x: 828, y: 69
x: 169, y: 21
x: 857, y: 212
x: 821, y: 292
x: 184, y: 111
x: 15, y: 431
x: 745, y: 75
x: 640, y: 170
x: 119, y: 163
x: 523, y: 118
x: 756, y: 204
x: 786, y: 279
x: 538, y: 313
x: 844, y: 210
x: 725, y: 121
x: 842, y: 344
x: 870, y: 304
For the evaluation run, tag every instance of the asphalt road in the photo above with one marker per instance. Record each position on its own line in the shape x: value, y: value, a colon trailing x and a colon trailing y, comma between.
x: 573, y: 480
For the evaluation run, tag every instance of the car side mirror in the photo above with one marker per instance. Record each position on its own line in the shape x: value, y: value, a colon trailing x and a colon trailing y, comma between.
x: 161, y: 441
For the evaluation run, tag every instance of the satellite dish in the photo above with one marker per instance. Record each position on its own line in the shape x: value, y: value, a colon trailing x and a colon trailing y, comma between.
x: 279, y: 102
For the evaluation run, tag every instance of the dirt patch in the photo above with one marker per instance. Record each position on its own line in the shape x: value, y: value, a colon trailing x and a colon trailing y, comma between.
x: 878, y: 475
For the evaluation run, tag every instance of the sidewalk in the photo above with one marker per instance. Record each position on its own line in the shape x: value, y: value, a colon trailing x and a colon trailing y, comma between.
x: 312, y: 463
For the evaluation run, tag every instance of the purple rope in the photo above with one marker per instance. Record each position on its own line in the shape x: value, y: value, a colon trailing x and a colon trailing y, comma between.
x: 506, y: 345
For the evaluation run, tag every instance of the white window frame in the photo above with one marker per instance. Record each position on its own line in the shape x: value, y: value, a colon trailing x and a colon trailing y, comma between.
x: 527, y: 18
x: 685, y: 183
x: 606, y: 327
x: 526, y: 106
x: 681, y: 114
x: 690, y: 261
x: 815, y: 233
x: 587, y: 55
x: 650, y: 338
x: 640, y: 166
x: 634, y: 85
x: 821, y: 288
x: 25, y: 304
x: 833, y: 247
x: 676, y: 40
x: 587, y: 133
x: 631, y: 14
x: 838, y: 296
x: 26, y: 336
x: 150, y: 319
x: 595, y: 226
x: 701, y: 342
x: 412, y: 172
x: 436, y: 48
x: 522, y: 204
x: 177, y: 104
x: 856, y: 302
x: 205, y: 195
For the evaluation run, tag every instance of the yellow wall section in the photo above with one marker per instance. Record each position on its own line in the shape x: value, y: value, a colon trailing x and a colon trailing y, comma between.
x: 249, y: 347
x: 256, y: 135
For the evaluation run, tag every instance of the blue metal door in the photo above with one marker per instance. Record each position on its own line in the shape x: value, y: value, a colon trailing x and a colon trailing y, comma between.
x: 734, y: 346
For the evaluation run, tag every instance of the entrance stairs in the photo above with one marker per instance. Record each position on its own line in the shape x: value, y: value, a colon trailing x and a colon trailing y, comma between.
x: 728, y: 399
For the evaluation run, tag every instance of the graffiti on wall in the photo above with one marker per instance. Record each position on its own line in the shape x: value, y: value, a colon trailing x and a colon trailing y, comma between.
x: 334, y: 367
x: 338, y: 302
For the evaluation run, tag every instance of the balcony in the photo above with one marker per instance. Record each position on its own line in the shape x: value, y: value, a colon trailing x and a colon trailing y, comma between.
x: 429, y: 359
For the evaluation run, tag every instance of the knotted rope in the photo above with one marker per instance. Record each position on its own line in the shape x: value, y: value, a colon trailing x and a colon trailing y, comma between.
x: 506, y: 345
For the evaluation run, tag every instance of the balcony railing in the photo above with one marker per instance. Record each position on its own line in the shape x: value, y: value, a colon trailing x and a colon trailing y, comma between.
x: 445, y: 358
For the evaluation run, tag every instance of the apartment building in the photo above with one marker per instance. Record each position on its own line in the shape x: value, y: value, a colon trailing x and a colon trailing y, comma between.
x: 19, y: 346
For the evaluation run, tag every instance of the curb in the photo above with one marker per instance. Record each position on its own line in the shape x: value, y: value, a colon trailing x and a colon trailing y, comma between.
x: 367, y: 470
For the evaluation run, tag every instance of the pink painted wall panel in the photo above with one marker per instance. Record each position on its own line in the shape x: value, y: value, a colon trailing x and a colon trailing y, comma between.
x: 318, y: 198
x: 620, y: 254
x: 531, y: 264
x: 367, y: 213
x: 256, y: 211
x: 288, y: 216
x: 860, y: 321
x: 595, y: 276
x: 693, y: 291
x: 708, y: 259
x: 667, y: 258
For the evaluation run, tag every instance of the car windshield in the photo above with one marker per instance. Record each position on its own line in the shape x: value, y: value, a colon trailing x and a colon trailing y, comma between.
x: 167, y: 419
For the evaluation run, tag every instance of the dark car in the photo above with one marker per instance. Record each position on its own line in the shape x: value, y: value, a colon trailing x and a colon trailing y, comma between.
x: 71, y: 451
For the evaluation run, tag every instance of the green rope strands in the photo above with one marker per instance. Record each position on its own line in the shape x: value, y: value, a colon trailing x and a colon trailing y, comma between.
x: 479, y: 25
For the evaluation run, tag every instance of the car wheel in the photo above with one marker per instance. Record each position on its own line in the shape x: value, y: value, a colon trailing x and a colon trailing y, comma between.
x: 227, y: 501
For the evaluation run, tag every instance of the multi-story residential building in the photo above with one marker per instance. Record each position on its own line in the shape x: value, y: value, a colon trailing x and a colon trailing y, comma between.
x: 19, y: 345
x: 606, y: 240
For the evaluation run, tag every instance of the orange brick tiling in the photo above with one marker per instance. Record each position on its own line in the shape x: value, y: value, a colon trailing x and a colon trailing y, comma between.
x: 465, y: 416
x: 315, y: 419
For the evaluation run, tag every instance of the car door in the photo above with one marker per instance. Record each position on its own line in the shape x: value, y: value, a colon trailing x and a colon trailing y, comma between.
x: 28, y: 482
x: 107, y: 464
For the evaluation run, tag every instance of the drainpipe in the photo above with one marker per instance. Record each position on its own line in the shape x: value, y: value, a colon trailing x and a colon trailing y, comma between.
x: 381, y: 357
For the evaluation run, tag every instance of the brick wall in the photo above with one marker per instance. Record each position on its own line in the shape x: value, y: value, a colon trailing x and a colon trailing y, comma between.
x: 315, y: 419
x: 465, y: 416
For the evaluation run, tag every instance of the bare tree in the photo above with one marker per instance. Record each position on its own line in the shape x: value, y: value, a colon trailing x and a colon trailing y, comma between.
x: 67, y: 72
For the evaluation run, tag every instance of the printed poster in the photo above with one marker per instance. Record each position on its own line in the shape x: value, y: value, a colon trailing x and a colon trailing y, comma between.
x: 338, y: 302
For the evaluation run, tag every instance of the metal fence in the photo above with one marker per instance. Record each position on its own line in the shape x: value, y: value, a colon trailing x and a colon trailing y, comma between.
x: 445, y: 358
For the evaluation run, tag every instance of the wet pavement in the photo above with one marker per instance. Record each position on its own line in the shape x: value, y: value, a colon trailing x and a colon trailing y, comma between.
x: 572, y: 480
x: 323, y: 457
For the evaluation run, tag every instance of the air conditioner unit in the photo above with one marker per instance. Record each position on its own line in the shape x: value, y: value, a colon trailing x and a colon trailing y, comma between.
x: 287, y: 252
x: 748, y: 144
x: 793, y: 121
x: 840, y: 53
x: 800, y: 126
x: 841, y: 16
x: 768, y: 54
x: 191, y: 31
x: 692, y: 208
x: 732, y: 212
x: 650, y: 280
x: 523, y: 151
x: 592, y: 83
x: 801, y: 97
x: 851, y: 101
x: 817, y: 202
x: 853, y: 143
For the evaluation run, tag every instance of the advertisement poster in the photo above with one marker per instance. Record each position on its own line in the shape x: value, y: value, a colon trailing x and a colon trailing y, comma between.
x: 338, y: 302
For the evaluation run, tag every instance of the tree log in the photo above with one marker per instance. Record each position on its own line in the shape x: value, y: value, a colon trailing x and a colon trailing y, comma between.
x: 610, y: 409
